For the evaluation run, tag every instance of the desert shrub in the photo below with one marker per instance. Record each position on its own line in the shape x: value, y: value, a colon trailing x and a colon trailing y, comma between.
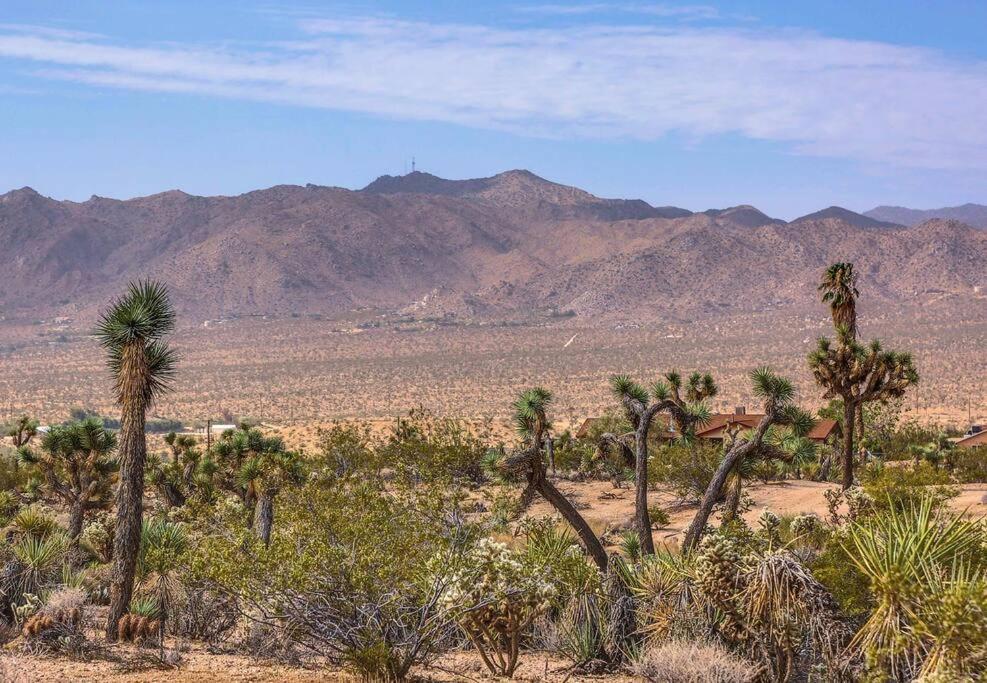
x: 658, y: 516
x: 422, y: 446
x: 34, y: 521
x: 969, y: 465
x: 759, y: 601
x: 580, y: 630
x: 160, y: 562
x: 630, y: 545
x: 12, y: 475
x: 685, y: 469
x: 9, y: 503
x: 556, y: 555
x: 38, y: 564
x: 505, y: 506
x: 206, y: 614
x: 572, y: 454
x: 97, y: 536
x: 841, y: 577
x: 903, y: 487
x: 346, y: 573
x: 692, y: 662
x: 344, y: 447
x: 613, y: 421
x: 495, y: 595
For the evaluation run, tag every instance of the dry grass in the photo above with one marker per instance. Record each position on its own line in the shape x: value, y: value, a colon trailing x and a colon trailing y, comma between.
x: 677, y: 662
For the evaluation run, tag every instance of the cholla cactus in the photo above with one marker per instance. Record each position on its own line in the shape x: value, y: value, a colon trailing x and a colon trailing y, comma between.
x: 718, y: 567
x: 805, y: 524
x: 26, y: 610
x: 770, y: 524
x: 496, y: 596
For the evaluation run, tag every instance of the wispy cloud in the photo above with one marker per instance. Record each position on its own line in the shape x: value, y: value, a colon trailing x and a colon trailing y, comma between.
x: 818, y: 95
x: 687, y: 12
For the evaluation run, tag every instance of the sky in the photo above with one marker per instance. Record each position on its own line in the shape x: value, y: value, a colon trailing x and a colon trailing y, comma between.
x: 789, y: 106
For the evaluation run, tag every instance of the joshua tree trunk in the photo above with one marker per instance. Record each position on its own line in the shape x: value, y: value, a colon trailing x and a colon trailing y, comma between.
x: 575, y: 520
x: 77, y: 515
x: 130, y: 495
x: 849, y: 422
x: 172, y: 495
x: 550, y: 450
x: 715, y: 489
x: 641, y: 515
x: 712, y: 494
x: 264, y: 517
x: 859, y: 417
x: 732, y: 502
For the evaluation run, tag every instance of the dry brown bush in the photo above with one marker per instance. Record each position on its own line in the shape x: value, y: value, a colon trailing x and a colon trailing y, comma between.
x: 682, y: 662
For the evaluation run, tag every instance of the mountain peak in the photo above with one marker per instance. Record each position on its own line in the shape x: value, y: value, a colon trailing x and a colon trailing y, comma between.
x: 855, y: 219
x: 21, y: 193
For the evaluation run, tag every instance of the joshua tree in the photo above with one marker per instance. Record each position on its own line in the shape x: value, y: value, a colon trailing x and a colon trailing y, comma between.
x: 263, y: 476
x: 857, y: 375
x: 132, y: 333
x: 23, y: 430
x: 238, y: 456
x: 77, y: 463
x: 532, y: 424
x: 175, y: 479
x: 641, y: 411
x: 778, y: 394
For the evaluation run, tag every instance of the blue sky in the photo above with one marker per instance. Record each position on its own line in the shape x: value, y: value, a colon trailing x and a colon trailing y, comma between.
x: 790, y: 106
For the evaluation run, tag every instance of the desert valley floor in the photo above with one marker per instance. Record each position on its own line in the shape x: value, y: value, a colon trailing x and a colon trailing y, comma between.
x: 305, y: 370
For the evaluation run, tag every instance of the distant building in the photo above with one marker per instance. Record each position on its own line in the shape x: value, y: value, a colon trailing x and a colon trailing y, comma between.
x: 977, y: 436
x: 215, y: 429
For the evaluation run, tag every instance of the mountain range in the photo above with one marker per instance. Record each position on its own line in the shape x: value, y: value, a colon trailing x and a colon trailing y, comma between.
x: 971, y: 214
x: 510, y: 245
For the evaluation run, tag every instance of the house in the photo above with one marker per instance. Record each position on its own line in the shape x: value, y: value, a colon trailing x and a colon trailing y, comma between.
x: 977, y: 436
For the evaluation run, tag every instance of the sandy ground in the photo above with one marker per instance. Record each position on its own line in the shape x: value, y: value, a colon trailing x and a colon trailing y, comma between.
x: 202, y: 667
x: 609, y: 508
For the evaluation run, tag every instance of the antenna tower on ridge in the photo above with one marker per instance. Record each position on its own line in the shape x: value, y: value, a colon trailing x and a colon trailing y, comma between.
x: 412, y: 164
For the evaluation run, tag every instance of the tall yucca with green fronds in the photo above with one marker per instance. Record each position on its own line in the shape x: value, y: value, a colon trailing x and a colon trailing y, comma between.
x: 132, y: 332
x: 839, y: 290
x: 531, y: 422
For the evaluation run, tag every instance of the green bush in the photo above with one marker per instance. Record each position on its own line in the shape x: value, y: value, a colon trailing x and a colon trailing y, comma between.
x: 903, y: 487
x: 346, y: 568
x: 685, y: 469
x: 969, y: 465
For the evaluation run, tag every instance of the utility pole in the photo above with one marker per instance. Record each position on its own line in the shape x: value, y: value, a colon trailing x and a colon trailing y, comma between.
x: 208, y: 435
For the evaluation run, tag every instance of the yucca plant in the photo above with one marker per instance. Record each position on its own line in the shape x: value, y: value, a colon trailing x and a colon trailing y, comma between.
x: 132, y: 331
x: 778, y: 394
x: 163, y: 546
x: 39, y: 561
x: 532, y: 424
x: 899, y: 551
x: 630, y: 545
x: 31, y: 521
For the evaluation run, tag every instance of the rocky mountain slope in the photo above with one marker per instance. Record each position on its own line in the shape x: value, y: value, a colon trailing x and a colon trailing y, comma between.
x: 513, y: 244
